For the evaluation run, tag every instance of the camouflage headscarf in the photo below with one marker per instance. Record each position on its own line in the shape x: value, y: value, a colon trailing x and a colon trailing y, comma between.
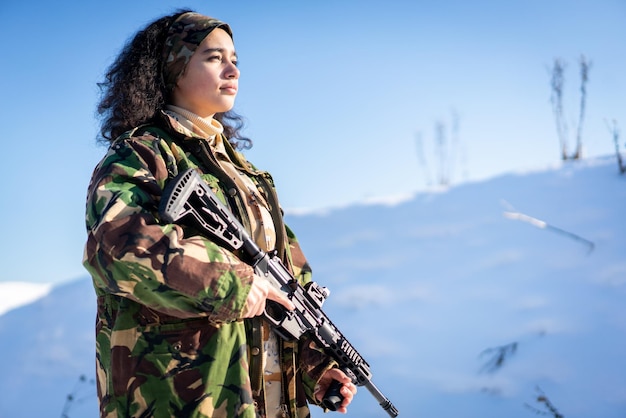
x: 184, y: 36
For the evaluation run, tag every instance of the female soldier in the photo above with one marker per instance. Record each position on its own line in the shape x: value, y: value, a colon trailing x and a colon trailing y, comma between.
x: 179, y: 331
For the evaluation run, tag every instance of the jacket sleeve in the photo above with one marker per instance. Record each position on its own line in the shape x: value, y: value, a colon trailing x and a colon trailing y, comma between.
x: 129, y: 253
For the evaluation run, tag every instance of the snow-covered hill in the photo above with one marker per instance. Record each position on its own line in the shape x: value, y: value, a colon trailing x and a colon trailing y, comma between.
x: 15, y: 294
x: 461, y: 302
x: 45, y: 349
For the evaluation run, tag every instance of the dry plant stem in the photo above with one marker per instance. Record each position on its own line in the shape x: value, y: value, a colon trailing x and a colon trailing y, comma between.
x: 544, y: 225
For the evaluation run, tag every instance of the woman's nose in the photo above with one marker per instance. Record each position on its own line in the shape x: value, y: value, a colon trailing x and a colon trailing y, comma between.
x: 232, y: 71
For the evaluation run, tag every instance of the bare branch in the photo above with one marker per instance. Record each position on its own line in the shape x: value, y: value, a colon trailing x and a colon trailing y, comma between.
x: 585, y: 66
x: 545, y: 225
x: 498, y: 356
x: 615, y: 133
x: 550, y: 409
x: 557, y: 83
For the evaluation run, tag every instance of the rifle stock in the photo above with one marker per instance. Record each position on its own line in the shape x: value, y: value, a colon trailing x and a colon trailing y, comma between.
x: 189, y: 200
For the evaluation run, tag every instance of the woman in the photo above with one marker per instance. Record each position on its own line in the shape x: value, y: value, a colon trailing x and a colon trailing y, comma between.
x: 179, y: 331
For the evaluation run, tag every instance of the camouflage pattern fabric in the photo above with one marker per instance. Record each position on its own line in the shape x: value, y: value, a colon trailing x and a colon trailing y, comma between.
x: 170, y: 341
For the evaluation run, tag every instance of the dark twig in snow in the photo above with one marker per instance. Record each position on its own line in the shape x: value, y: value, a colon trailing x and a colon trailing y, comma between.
x: 545, y: 225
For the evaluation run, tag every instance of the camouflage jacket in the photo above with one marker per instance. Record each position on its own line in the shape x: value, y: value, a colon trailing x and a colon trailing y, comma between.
x: 170, y: 341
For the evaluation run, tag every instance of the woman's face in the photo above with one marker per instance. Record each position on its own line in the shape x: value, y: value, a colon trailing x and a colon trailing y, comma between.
x: 210, y: 81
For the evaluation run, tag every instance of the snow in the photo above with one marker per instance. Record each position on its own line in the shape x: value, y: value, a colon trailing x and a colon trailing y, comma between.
x: 430, y: 289
x: 16, y: 294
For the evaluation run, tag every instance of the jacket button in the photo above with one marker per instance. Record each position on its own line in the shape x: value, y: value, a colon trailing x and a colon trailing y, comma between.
x: 255, y: 351
x: 232, y: 192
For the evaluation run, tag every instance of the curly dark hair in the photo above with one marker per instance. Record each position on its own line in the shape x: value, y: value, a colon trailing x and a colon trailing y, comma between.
x: 134, y: 91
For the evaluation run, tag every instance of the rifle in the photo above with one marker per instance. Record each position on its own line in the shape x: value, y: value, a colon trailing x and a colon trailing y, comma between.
x: 189, y: 200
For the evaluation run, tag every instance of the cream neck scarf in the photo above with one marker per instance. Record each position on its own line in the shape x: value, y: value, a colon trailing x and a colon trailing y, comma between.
x: 209, y: 127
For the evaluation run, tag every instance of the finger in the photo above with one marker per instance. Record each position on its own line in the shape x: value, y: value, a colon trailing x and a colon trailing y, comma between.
x: 339, y: 375
x: 256, y: 309
x: 260, y: 307
x: 347, y: 399
x: 348, y: 391
x: 280, y: 297
x: 255, y: 303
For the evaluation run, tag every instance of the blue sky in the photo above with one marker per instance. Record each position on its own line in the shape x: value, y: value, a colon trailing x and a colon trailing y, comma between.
x: 334, y: 93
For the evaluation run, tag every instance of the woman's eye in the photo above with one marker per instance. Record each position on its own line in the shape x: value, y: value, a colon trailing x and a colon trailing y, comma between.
x: 215, y: 58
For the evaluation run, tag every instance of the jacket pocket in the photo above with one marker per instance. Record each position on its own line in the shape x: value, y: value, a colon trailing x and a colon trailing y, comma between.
x: 183, y: 338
